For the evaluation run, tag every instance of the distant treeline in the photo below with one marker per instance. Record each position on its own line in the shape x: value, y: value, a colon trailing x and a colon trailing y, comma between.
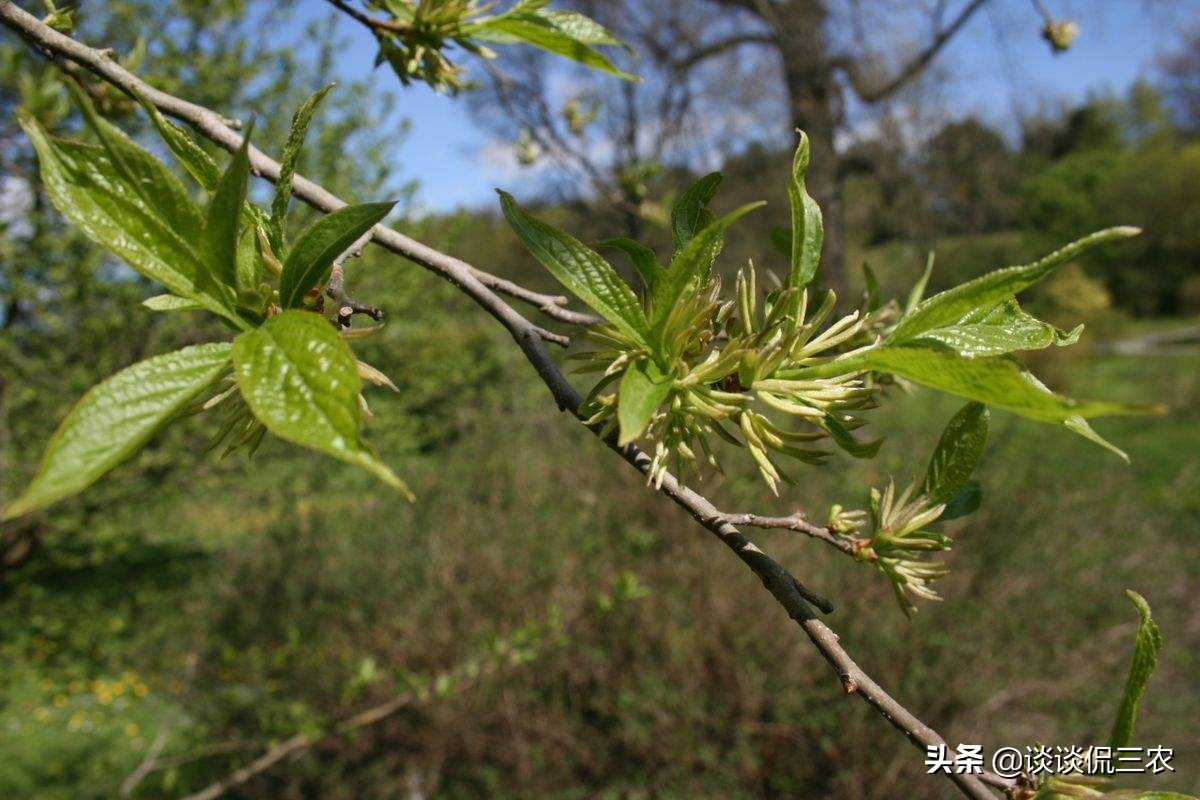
x: 1112, y: 160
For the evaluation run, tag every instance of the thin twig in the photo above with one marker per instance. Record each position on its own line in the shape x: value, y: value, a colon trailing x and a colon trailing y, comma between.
x: 152, y: 761
x: 376, y: 25
x: 464, y: 675
x: 161, y: 762
x: 215, y: 127
x: 259, y: 765
x: 871, y: 93
x: 335, y: 288
x: 148, y: 764
x: 795, y: 522
x: 786, y: 590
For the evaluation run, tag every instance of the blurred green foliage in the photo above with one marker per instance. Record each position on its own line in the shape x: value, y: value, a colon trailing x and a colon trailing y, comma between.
x: 272, y: 598
x: 249, y: 608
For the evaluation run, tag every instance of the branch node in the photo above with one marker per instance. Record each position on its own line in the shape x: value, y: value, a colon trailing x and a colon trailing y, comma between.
x: 822, y: 603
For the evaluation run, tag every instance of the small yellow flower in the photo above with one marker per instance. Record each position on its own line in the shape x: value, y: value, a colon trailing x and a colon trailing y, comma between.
x: 60, y: 700
x: 131, y: 729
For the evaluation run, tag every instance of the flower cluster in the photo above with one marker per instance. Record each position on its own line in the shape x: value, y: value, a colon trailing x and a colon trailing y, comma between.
x: 732, y: 363
x: 414, y: 45
x: 899, y: 544
x: 415, y: 37
x: 776, y: 371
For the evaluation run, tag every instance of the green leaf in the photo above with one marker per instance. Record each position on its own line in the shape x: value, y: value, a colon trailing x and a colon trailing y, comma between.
x: 311, y: 258
x: 145, y: 176
x: 169, y: 302
x: 185, y: 149
x: 400, y: 9
x: 643, y: 258
x: 957, y: 453
x: 301, y: 381
x: 965, y: 502
x: 987, y: 290
x: 134, y: 208
x: 1004, y: 328
x: 219, y: 240
x: 917, y: 293
x: 871, y: 288
x: 249, y: 261
x: 1146, y: 645
x: 692, y: 265
x: 1080, y: 426
x: 287, y: 166
x: 528, y: 5
x: 781, y: 240
x: 844, y: 439
x: 690, y: 213
x: 581, y: 270
x: 116, y: 418
x: 1000, y: 381
x: 643, y: 389
x: 579, y: 27
x: 542, y: 32
x: 808, y: 229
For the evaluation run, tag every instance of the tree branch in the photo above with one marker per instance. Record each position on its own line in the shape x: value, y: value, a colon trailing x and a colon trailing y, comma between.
x: 376, y: 25
x: 795, y: 522
x: 147, y: 764
x: 541, y: 127
x: 216, y: 128
x: 1041, y: 9
x: 713, y: 49
x: 335, y: 289
x: 870, y: 94
x: 788, y: 592
x: 259, y: 765
x: 464, y: 675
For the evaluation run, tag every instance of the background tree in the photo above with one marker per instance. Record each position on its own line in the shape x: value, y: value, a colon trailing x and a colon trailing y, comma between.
x: 1181, y: 82
x: 208, y: 50
x: 969, y: 177
x: 1120, y: 151
x: 714, y: 70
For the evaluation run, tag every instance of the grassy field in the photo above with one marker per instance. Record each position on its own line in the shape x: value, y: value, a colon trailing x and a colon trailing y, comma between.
x: 249, y: 602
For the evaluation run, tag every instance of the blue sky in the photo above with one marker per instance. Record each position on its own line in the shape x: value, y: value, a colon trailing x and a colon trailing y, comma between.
x: 998, y: 64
